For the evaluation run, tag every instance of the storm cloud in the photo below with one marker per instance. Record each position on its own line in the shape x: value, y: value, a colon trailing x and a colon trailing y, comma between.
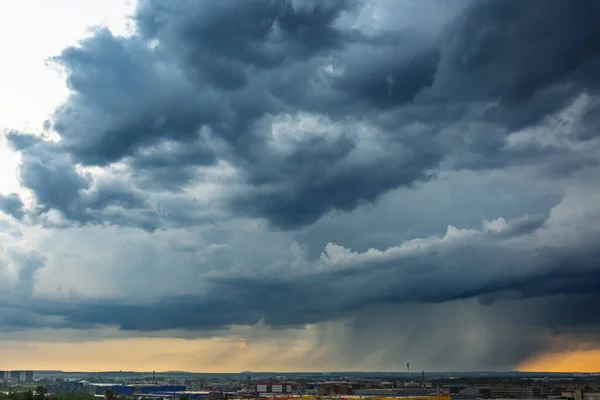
x: 535, y: 275
x: 521, y: 258
x: 200, y: 84
x: 302, y: 163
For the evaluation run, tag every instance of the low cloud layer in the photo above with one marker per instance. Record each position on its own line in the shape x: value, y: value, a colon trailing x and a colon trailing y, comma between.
x: 301, y: 163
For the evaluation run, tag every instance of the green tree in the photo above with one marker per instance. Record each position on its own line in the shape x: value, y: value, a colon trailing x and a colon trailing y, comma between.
x: 110, y: 394
x: 40, y: 393
x: 28, y: 395
x: 184, y: 397
x: 12, y: 395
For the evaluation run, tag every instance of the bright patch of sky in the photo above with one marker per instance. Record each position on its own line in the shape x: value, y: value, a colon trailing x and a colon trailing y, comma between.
x: 32, y: 31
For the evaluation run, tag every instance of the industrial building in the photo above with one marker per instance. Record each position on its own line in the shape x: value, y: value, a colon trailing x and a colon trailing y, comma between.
x: 192, y: 395
x: 520, y: 392
x: 329, y: 388
x: 583, y: 393
x: 129, y: 390
x: 16, y: 376
x: 397, y: 392
x: 118, y: 389
x: 274, y: 388
x: 440, y: 397
x: 135, y: 390
x: 68, y: 387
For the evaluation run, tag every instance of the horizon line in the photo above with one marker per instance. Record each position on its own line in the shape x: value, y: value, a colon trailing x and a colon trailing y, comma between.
x: 415, y: 373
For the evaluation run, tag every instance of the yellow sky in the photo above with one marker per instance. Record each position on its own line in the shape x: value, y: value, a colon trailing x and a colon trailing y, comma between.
x: 574, y: 361
x: 215, y: 355
x: 161, y: 354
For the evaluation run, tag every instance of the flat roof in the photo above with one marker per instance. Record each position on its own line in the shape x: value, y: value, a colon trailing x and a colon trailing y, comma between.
x: 108, y: 384
x: 194, y: 392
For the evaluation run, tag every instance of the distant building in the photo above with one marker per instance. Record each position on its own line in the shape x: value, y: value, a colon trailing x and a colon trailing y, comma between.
x: 334, y: 388
x: 274, y: 388
x: 582, y: 394
x: 519, y: 392
x: 26, y: 376
x: 69, y: 387
x: 151, y: 391
x: 16, y: 376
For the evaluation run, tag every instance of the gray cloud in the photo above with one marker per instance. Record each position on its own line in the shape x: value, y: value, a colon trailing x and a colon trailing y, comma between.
x: 532, y: 63
x: 18, y: 268
x: 188, y: 91
x: 462, y: 335
x: 533, y: 276
x: 124, y: 98
x: 12, y: 205
x: 51, y: 176
x: 517, y: 259
x: 328, y: 123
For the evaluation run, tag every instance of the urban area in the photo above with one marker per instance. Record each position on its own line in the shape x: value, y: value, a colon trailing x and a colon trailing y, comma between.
x: 33, y: 385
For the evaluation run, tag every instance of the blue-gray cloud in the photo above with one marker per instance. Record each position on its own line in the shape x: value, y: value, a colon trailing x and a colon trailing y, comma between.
x: 505, y: 260
x: 12, y: 205
x: 188, y: 91
x: 287, y: 111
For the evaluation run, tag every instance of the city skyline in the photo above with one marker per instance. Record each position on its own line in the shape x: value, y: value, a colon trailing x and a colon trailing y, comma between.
x: 300, y: 185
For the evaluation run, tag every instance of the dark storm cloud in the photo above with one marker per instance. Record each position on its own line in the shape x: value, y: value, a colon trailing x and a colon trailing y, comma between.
x: 509, y: 260
x: 124, y: 97
x: 460, y: 335
x: 222, y: 41
x: 49, y: 174
x: 13, y: 319
x: 390, y: 75
x: 57, y: 184
x: 531, y: 58
x: 12, y: 205
x: 299, y: 187
x: 285, y: 110
x: 170, y: 165
x: 200, y: 80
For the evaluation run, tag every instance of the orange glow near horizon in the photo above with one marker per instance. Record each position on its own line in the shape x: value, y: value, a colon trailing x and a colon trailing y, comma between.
x: 114, y: 354
x: 160, y: 354
x: 219, y: 355
x: 573, y: 361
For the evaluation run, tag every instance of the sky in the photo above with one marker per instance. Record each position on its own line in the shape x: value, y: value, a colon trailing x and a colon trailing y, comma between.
x: 299, y: 185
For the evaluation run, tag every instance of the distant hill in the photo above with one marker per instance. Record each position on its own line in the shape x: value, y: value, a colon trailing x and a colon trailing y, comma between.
x: 330, y: 375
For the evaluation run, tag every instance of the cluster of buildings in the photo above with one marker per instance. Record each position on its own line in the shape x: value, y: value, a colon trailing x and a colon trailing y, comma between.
x: 16, y: 376
x: 582, y: 393
x: 380, y: 388
x: 276, y: 388
x: 546, y: 391
x: 174, y: 386
x: 149, y: 391
x: 365, y: 387
x: 251, y: 389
